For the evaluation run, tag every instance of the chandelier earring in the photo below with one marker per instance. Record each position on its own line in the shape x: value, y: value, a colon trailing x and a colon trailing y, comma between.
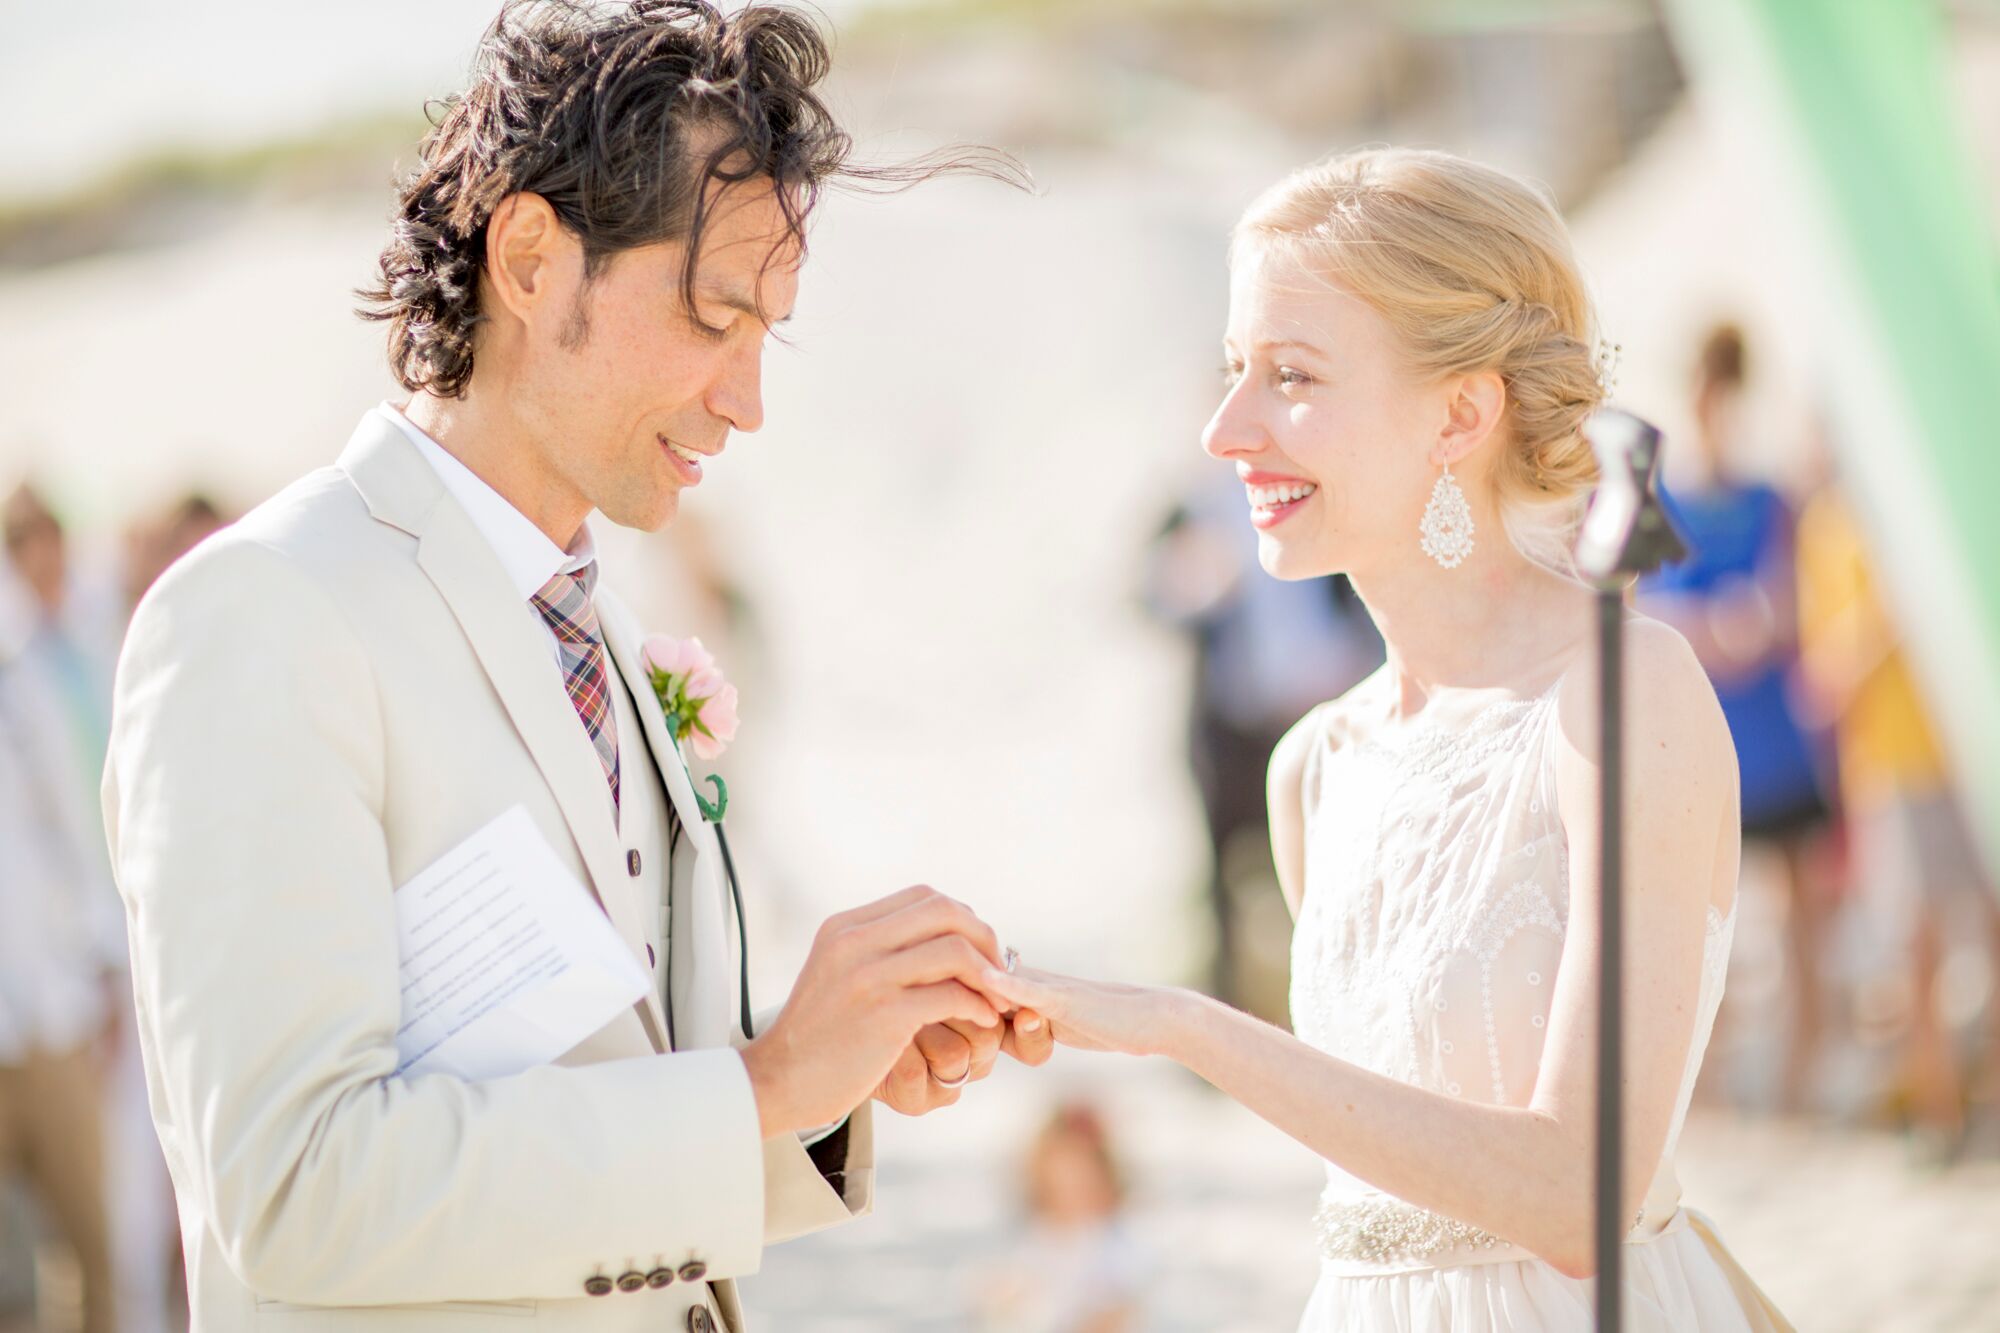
x: 1447, y: 525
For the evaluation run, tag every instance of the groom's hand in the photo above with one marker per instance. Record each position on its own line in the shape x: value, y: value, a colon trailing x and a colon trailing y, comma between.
x: 941, y: 1056
x: 876, y: 977
x: 954, y: 1052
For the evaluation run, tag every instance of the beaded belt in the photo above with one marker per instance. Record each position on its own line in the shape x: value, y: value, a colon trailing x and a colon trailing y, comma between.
x: 1386, y: 1231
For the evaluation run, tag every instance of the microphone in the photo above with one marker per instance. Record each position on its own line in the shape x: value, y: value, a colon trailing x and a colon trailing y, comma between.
x: 1627, y: 531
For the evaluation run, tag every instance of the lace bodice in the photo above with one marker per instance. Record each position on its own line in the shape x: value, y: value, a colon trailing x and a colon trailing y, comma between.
x: 1435, y: 903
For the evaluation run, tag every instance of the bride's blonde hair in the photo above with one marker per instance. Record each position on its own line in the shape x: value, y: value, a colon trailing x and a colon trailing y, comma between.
x: 1474, y: 271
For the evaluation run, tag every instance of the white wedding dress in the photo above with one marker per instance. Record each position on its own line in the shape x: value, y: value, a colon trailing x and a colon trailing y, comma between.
x: 1436, y: 897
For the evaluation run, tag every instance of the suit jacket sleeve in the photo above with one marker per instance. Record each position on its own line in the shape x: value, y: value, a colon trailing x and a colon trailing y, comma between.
x: 245, y: 802
x: 808, y: 1189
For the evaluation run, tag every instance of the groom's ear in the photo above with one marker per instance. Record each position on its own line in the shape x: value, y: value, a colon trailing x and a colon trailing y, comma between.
x: 533, y: 263
x: 1474, y: 406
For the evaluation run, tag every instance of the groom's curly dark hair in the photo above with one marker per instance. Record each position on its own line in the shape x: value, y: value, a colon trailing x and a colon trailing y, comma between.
x: 632, y: 120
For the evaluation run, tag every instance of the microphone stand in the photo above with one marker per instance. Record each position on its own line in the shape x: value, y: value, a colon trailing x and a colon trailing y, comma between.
x: 1625, y: 534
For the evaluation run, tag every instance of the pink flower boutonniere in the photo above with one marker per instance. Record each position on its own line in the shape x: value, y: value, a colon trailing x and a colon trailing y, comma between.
x: 700, y: 705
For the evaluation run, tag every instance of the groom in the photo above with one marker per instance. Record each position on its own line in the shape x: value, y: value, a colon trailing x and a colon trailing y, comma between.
x: 325, y: 699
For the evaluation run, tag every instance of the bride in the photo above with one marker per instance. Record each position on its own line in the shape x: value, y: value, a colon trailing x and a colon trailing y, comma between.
x: 1410, y: 361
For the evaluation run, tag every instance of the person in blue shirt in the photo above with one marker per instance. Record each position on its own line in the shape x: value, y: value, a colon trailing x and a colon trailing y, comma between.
x: 1733, y: 598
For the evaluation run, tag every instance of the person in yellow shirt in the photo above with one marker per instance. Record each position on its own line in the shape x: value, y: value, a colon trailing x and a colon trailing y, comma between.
x: 1909, y: 836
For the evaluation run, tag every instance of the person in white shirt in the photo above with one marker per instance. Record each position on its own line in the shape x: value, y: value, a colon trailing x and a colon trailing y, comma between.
x: 62, y: 943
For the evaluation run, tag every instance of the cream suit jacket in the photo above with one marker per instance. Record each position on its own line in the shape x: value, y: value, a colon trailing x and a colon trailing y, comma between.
x: 311, y: 708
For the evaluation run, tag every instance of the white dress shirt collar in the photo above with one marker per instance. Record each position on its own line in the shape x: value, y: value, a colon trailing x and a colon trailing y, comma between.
x: 525, y: 551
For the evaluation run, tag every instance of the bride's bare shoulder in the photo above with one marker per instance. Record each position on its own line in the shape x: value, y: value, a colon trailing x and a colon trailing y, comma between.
x: 1669, y: 702
x: 1333, y: 724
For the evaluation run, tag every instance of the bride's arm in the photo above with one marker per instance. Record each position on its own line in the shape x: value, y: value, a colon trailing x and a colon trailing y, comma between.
x: 1524, y: 1173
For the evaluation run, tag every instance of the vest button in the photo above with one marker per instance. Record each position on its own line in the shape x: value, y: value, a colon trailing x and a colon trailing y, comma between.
x: 660, y: 1277
x: 632, y: 862
x: 633, y: 1281
x: 700, y: 1320
x: 598, y: 1286
x: 694, y: 1271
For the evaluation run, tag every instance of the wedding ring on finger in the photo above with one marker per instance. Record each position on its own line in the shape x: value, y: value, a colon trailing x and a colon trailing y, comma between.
x: 952, y: 1083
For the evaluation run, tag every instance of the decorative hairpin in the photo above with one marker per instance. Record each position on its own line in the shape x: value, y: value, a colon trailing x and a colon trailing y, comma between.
x: 1608, y: 355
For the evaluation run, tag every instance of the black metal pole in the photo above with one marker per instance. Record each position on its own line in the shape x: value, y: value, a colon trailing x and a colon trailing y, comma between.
x: 1611, y: 935
x: 1625, y: 534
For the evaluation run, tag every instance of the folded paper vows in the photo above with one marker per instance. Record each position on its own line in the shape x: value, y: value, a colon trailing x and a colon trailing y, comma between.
x: 507, y: 961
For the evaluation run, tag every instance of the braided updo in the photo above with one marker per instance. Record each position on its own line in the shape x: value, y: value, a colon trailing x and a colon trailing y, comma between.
x: 630, y: 119
x: 1474, y: 271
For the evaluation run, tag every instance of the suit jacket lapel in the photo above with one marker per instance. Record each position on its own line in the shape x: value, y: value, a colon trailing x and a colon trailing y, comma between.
x: 401, y: 489
x: 710, y: 1013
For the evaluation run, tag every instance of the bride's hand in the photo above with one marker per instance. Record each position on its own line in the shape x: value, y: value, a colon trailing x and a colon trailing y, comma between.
x: 1093, y: 1015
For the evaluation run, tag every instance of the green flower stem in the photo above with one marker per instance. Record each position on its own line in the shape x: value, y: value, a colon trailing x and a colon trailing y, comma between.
x: 712, y: 811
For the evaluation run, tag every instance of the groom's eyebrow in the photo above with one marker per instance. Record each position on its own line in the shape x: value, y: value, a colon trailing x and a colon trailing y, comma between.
x: 744, y: 302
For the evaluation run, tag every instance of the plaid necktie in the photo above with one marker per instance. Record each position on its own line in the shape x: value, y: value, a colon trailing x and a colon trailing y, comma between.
x: 564, y: 602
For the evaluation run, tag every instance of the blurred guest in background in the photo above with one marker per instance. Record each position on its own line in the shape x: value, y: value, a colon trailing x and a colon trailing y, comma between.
x: 62, y: 943
x: 63, y: 620
x: 1077, y: 1270
x: 154, y: 543
x: 1732, y: 598
x: 1911, y: 844
x: 1266, y: 651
